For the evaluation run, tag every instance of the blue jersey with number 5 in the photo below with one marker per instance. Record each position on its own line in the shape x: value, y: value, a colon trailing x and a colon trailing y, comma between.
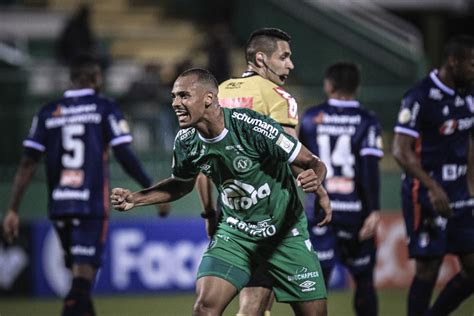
x: 75, y: 133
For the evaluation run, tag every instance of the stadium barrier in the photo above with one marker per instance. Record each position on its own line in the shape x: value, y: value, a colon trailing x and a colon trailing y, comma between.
x: 162, y: 256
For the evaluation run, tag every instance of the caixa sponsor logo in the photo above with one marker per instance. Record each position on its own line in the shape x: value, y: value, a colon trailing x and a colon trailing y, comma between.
x: 238, y: 195
x: 157, y: 264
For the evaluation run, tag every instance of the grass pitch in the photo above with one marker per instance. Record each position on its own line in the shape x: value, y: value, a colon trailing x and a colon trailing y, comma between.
x: 391, y: 302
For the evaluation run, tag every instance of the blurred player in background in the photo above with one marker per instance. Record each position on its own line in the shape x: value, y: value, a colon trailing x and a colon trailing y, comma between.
x: 433, y: 145
x: 247, y: 155
x: 74, y: 133
x: 268, y: 56
x: 348, y: 140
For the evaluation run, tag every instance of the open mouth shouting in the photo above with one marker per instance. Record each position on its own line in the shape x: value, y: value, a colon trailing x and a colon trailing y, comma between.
x: 182, y: 114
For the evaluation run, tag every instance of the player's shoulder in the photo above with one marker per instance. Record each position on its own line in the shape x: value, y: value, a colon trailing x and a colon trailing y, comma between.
x: 367, y: 113
x: 244, y: 114
x: 423, y: 90
x: 105, y: 101
x: 245, y: 117
x: 370, y: 117
x: 252, y: 123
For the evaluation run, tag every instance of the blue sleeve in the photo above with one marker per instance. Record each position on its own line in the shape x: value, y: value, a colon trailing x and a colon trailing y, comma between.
x: 371, y: 181
x: 408, y: 121
x: 117, y: 129
x: 36, y: 139
x: 131, y: 165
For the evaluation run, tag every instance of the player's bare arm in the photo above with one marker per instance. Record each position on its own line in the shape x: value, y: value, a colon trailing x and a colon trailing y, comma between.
x: 167, y: 190
x: 309, y: 164
x: 404, y: 153
x: 310, y: 177
x: 204, y: 188
x: 11, y: 222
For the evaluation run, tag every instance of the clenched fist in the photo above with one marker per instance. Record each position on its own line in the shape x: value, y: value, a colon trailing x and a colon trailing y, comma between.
x: 122, y: 199
x: 308, y: 181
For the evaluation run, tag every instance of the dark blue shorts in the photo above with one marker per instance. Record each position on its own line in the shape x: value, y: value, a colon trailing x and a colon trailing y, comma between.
x: 82, y: 240
x: 435, y: 236
x: 336, y: 243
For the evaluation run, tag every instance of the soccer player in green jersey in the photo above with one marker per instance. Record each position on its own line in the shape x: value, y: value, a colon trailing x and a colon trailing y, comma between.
x: 248, y: 157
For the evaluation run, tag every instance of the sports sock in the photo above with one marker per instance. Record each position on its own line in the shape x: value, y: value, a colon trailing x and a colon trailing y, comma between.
x: 78, y: 302
x: 456, y: 291
x: 327, y: 276
x: 419, y: 296
x: 365, y: 297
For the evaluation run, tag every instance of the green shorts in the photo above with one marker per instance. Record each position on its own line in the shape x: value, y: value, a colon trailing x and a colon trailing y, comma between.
x: 290, y: 262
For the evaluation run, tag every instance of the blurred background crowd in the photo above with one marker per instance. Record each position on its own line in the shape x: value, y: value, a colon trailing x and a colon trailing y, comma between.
x: 144, y: 44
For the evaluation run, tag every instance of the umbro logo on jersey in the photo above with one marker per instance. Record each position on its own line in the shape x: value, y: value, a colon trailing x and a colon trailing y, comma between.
x: 308, y: 286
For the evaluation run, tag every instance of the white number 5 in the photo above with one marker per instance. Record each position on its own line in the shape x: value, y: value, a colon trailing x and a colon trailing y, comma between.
x: 75, y: 159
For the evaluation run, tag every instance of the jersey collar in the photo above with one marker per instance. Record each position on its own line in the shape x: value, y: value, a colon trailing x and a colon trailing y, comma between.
x: 215, y: 139
x: 439, y: 84
x: 249, y: 73
x: 78, y: 93
x: 344, y: 103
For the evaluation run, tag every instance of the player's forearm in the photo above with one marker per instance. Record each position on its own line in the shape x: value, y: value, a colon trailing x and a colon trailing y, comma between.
x: 405, y: 156
x: 204, y: 188
x: 167, y: 190
x: 319, y: 168
x: 23, y: 177
x: 371, y: 182
x: 411, y: 165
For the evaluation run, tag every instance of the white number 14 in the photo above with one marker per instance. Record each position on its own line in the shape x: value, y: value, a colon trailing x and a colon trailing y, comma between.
x: 339, y: 156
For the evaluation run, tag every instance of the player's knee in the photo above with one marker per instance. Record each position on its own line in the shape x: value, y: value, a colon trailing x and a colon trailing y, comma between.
x: 250, y: 307
x: 204, y: 306
x: 253, y: 300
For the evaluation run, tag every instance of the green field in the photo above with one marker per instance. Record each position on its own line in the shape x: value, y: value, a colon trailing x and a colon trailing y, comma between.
x: 391, y: 302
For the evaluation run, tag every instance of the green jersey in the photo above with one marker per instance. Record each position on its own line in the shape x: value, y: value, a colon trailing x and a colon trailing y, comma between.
x: 249, y: 164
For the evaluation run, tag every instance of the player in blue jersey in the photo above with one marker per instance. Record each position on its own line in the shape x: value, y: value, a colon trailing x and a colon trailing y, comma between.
x: 74, y: 134
x: 432, y: 144
x: 347, y: 138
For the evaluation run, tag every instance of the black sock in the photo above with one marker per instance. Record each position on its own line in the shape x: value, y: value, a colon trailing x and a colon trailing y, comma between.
x: 327, y: 276
x: 78, y: 302
x: 365, y: 297
x: 419, y: 296
x: 456, y: 291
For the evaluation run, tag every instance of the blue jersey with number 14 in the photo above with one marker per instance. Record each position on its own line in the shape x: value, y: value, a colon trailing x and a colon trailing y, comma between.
x: 340, y: 132
x: 75, y: 133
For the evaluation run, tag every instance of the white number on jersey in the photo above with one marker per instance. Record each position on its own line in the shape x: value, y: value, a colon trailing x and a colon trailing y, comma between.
x: 339, y: 156
x: 74, y: 159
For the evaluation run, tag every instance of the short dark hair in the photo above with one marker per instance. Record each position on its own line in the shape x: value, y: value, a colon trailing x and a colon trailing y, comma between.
x: 459, y: 47
x: 84, y: 66
x: 203, y: 76
x: 344, y: 76
x: 264, y: 40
